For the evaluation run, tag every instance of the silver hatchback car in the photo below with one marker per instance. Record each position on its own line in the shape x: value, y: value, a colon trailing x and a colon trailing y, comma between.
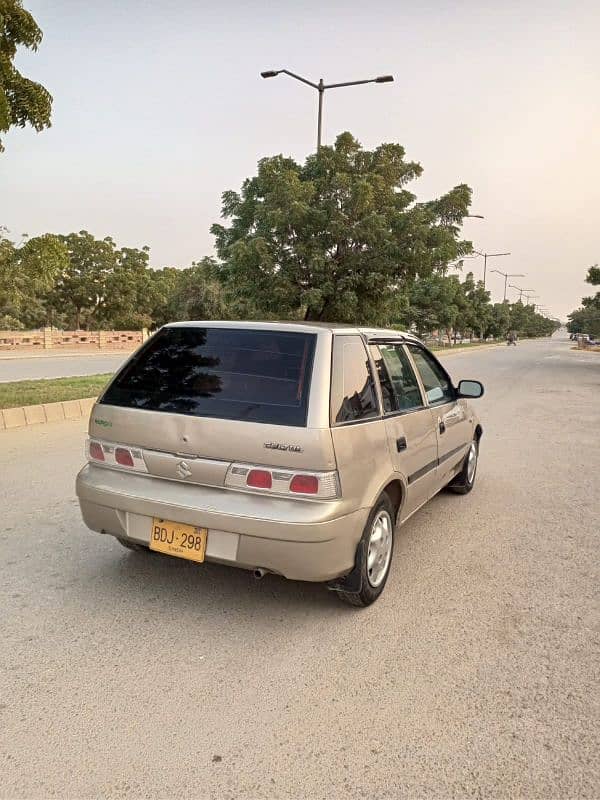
x: 293, y: 448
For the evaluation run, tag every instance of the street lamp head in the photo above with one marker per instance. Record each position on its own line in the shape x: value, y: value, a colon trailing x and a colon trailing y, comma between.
x: 384, y: 79
x: 475, y: 216
x: 269, y: 73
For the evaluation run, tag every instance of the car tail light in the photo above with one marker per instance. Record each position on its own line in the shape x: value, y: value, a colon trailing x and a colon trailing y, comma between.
x: 282, y: 482
x: 95, y: 450
x: 116, y: 455
x: 304, y: 484
x: 123, y: 457
x: 259, y: 479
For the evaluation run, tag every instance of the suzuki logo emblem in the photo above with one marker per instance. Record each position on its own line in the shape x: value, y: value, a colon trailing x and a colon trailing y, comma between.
x: 183, y: 470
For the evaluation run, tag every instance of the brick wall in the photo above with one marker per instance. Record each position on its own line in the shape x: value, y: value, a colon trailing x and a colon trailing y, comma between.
x: 53, y: 339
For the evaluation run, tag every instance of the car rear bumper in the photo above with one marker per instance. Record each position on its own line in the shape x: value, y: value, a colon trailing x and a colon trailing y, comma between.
x: 302, y: 540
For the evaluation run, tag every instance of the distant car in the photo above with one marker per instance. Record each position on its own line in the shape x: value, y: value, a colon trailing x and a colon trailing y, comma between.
x: 277, y: 447
x: 583, y: 337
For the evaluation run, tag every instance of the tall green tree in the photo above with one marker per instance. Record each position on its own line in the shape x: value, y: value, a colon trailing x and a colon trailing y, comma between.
x: 435, y: 303
x: 476, y: 309
x: 28, y: 273
x: 81, y: 290
x: 329, y: 239
x: 102, y: 286
x: 498, y: 323
x: 201, y: 295
x: 587, y: 318
x: 192, y: 293
x: 22, y: 101
x: 165, y: 286
x: 126, y: 301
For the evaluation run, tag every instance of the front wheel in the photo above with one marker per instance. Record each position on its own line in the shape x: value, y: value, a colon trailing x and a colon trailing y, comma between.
x: 465, y: 480
x: 374, y: 554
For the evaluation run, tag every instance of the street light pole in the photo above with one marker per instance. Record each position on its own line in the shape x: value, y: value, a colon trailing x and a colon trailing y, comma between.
x: 519, y: 290
x: 321, y: 86
x: 508, y: 275
x: 320, y: 119
x: 485, y: 258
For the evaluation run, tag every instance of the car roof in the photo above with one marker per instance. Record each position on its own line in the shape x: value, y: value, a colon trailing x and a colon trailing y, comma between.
x: 298, y: 326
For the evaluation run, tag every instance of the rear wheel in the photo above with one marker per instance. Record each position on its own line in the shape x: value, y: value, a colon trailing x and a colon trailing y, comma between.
x: 465, y: 480
x: 374, y: 554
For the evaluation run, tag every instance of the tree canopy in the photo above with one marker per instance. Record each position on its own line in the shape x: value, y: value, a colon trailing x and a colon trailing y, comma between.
x: 22, y: 101
x: 329, y: 239
x: 28, y: 274
x: 587, y: 318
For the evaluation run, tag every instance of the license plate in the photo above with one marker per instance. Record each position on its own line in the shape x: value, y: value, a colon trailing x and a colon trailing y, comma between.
x: 177, y: 539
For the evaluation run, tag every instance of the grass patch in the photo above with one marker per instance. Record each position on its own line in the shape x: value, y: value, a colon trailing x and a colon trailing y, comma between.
x: 51, y: 390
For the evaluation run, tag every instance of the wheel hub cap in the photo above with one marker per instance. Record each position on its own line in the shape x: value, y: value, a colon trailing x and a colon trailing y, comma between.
x: 379, y: 550
x: 472, y: 462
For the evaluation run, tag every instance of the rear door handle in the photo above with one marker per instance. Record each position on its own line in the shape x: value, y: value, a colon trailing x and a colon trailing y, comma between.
x: 442, y: 425
x: 401, y: 443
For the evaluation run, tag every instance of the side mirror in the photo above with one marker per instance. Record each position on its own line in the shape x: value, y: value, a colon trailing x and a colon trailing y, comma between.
x: 471, y: 389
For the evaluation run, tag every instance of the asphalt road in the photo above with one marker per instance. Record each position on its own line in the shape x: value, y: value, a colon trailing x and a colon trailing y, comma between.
x: 475, y: 675
x: 28, y: 369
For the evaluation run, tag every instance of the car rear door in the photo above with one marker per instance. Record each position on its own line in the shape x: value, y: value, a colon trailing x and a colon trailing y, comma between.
x: 410, y: 424
x: 357, y: 430
x: 453, y: 425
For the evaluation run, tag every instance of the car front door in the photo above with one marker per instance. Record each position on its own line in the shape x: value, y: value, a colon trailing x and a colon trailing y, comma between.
x: 409, y: 424
x: 453, y: 425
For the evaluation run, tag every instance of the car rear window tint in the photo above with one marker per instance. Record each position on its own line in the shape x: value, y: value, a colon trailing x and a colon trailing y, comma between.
x: 228, y: 373
x: 352, y: 388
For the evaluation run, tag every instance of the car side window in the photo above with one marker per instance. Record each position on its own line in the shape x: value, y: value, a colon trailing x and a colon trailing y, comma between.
x: 353, y: 395
x: 399, y: 386
x: 438, y: 385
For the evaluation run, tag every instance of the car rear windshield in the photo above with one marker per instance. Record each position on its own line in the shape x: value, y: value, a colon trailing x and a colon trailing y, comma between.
x: 229, y: 373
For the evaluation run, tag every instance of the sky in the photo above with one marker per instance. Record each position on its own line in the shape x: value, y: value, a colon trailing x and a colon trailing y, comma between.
x: 159, y: 107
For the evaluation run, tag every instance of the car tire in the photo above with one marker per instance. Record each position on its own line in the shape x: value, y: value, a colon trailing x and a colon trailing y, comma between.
x: 374, y: 554
x: 465, y: 480
x: 137, y: 548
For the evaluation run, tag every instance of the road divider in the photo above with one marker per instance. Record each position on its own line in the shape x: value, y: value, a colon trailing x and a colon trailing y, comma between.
x: 23, y: 416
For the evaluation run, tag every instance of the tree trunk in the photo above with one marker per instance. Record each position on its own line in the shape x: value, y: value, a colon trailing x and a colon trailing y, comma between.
x: 311, y: 315
x: 325, y: 304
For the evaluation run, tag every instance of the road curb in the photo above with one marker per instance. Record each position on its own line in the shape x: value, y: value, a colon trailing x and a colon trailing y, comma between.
x: 19, y: 356
x: 25, y: 416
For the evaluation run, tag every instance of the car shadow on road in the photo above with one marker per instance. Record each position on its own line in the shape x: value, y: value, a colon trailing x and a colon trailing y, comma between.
x: 145, y: 579
x: 185, y: 585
